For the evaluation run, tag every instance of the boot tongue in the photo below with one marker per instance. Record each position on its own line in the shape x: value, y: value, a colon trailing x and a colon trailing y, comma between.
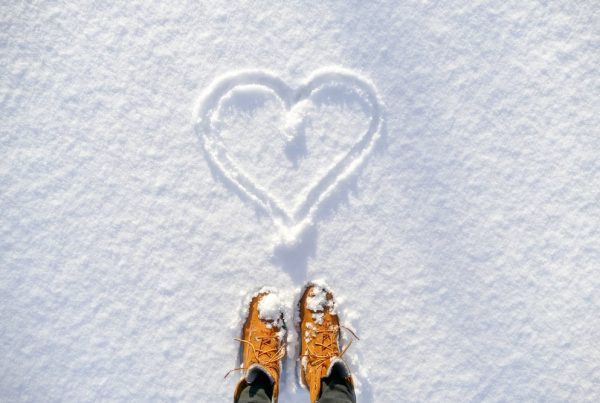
x: 255, y: 370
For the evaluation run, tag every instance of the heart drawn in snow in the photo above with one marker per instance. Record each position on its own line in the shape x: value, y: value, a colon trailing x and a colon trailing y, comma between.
x: 288, y: 218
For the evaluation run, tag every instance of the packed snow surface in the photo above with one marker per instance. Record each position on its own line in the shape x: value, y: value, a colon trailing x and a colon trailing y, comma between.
x: 436, y: 163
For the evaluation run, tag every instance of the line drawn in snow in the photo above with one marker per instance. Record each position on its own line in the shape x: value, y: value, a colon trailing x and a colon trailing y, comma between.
x: 291, y: 218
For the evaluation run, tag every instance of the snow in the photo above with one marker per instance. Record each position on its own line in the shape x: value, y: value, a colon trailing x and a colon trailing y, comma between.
x: 436, y: 164
x: 270, y: 308
x: 317, y: 301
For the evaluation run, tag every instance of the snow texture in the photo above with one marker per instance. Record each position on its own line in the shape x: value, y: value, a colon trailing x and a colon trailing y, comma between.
x: 438, y: 164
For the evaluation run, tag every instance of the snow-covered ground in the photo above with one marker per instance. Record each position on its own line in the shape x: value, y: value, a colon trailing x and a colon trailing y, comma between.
x: 437, y: 164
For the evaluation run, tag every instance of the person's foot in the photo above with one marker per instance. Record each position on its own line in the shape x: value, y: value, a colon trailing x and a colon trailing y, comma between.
x: 263, y: 343
x: 319, y: 334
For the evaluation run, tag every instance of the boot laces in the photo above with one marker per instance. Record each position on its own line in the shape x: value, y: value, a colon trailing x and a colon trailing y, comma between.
x: 266, y: 354
x: 329, y: 347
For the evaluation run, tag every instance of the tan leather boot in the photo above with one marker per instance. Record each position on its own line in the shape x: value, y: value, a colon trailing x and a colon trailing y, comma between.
x: 263, y: 341
x: 319, y: 335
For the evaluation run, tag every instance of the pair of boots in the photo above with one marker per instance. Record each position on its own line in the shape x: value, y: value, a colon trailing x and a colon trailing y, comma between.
x: 322, y: 369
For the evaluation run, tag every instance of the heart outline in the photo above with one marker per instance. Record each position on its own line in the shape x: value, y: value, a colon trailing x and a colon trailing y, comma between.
x: 294, y: 221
